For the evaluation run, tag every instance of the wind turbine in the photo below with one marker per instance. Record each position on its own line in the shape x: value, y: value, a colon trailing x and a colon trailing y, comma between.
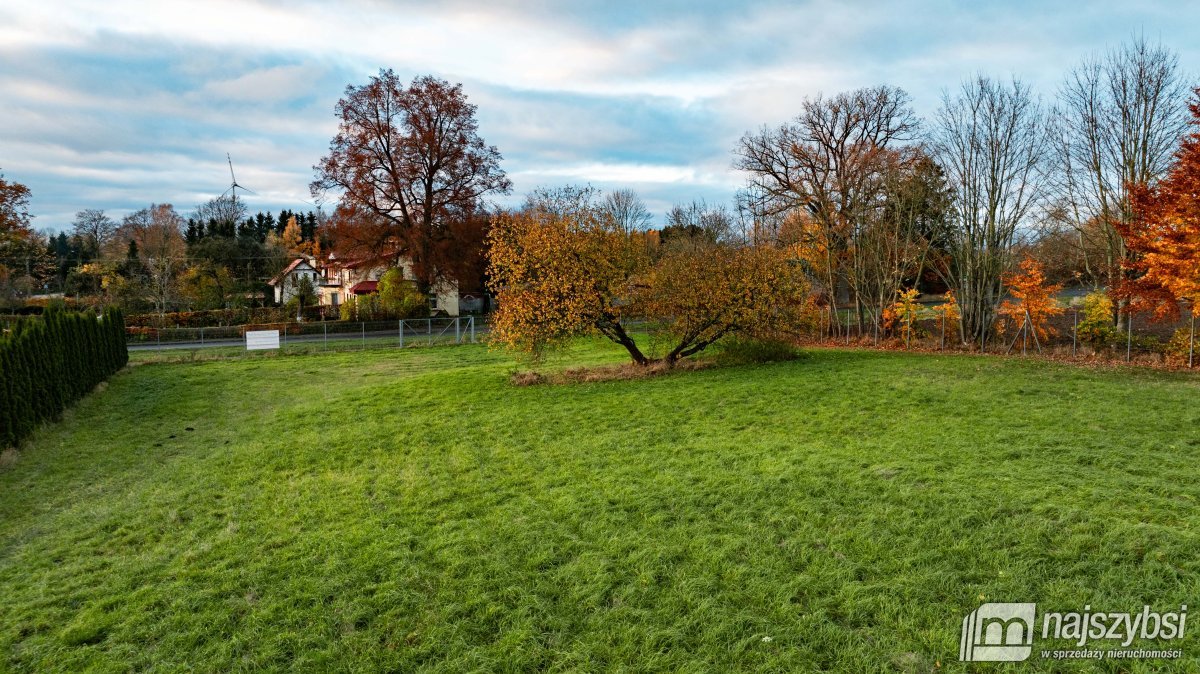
x: 233, y: 184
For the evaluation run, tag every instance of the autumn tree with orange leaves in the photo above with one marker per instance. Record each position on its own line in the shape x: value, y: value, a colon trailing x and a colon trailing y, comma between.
x: 1035, y: 302
x: 694, y: 297
x: 1164, y: 237
x: 22, y: 255
x: 407, y: 165
x: 559, y: 275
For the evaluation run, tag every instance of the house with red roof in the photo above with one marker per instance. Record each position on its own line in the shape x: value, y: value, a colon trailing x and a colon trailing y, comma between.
x: 341, y: 279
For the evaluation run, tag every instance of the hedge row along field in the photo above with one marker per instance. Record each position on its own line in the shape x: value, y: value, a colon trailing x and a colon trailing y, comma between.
x: 50, y: 362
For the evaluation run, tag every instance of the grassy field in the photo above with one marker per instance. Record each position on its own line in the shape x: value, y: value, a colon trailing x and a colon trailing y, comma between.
x: 406, y: 510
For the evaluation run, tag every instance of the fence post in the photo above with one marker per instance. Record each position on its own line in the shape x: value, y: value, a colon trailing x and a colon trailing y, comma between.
x: 201, y: 336
x: 1075, y: 333
x: 1129, y: 337
x: 1033, y: 328
x: 364, y: 334
x: 158, y: 339
x: 401, y: 333
x: 1192, y: 337
x: 472, y: 329
x: 457, y: 332
x: 325, y: 332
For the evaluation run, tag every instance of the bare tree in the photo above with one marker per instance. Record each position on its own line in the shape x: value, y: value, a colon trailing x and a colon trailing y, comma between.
x: 626, y: 210
x: 1118, y: 121
x: 94, y: 228
x: 158, y: 233
x: 827, y: 160
x: 991, y: 140
x: 698, y: 223
x: 896, y: 240
x: 222, y: 214
x: 563, y: 201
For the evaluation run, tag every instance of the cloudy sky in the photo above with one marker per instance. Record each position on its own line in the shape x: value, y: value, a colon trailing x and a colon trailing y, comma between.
x: 121, y: 103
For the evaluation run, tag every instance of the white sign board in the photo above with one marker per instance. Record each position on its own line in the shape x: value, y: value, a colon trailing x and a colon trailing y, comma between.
x: 262, y: 339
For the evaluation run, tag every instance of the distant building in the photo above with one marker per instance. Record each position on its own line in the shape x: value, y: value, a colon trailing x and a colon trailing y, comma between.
x: 340, y: 280
x: 287, y: 282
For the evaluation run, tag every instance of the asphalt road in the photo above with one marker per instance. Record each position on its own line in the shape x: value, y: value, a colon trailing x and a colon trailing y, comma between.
x: 413, y: 337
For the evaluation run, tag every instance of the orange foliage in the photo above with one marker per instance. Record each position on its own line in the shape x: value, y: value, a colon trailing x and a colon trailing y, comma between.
x: 949, y: 313
x: 290, y: 239
x: 1035, y: 298
x: 901, y: 315
x: 559, y: 275
x: 699, y: 296
x: 1164, y: 236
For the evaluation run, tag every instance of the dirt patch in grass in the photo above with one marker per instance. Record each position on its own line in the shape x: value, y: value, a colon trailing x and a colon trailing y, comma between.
x: 8, y: 458
x: 601, y: 373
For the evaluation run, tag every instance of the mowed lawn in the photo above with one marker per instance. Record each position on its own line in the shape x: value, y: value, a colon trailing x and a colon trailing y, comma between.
x: 411, y: 510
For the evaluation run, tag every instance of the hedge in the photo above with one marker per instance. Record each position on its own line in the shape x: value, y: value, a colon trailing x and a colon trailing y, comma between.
x: 215, y: 318
x: 50, y: 362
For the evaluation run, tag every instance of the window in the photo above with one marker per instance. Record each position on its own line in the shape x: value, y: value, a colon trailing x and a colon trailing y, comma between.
x: 334, y: 299
x: 433, y: 301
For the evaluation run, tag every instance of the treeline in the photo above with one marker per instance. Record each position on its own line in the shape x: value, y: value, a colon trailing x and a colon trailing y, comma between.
x: 50, y: 362
x: 257, y: 227
x: 154, y: 260
x: 875, y: 201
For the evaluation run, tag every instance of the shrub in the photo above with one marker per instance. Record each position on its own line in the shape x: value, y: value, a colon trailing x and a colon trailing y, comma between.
x: 48, y: 363
x: 900, y: 318
x: 1096, y: 323
x: 1176, y: 351
x: 949, y: 314
x: 400, y: 298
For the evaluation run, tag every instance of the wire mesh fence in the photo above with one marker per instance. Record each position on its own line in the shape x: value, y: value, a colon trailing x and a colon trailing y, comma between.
x: 311, y: 336
x: 1135, y: 338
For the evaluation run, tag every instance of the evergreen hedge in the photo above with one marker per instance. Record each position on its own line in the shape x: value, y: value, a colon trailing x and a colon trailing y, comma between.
x: 47, y: 363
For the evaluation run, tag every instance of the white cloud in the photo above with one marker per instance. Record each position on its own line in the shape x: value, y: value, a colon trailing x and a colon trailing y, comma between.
x: 641, y: 174
x: 268, y: 85
x: 649, y: 95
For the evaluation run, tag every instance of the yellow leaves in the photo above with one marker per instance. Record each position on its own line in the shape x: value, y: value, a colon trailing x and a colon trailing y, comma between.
x: 558, y: 276
x: 902, y: 314
x: 554, y: 276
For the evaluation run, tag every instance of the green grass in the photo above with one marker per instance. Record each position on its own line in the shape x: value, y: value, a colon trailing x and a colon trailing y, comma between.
x: 408, y: 510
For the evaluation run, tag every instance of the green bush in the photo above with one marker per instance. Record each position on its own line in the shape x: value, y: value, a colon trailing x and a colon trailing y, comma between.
x: 50, y: 362
x: 396, y: 298
x: 400, y: 298
x: 1096, y: 323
